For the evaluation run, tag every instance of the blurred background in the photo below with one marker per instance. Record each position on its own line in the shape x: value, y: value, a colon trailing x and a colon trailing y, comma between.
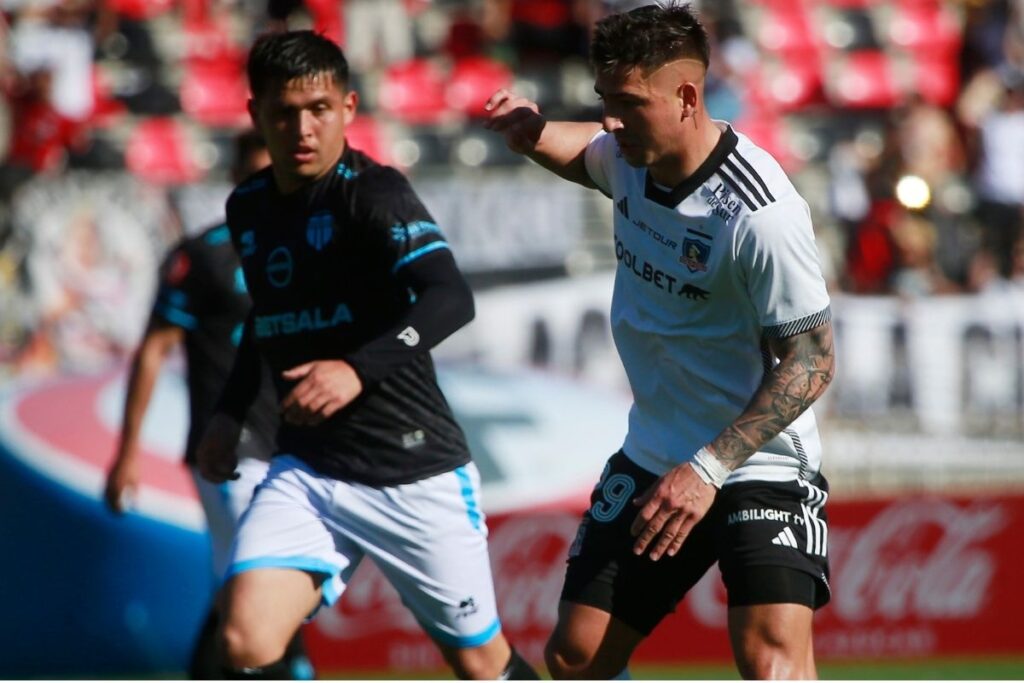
x: 900, y: 121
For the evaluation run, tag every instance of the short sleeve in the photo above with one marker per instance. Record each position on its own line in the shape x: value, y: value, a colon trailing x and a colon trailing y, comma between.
x: 598, y: 159
x: 178, y: 292
x: 395, y: 219
x: 780, y: 263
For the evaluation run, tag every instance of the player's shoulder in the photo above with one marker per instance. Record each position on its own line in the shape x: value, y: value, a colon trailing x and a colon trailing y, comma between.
x: 250, y: 191
x: 758, y: 177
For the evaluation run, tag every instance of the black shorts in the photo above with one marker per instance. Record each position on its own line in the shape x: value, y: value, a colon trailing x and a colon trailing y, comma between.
x: 769, y: 538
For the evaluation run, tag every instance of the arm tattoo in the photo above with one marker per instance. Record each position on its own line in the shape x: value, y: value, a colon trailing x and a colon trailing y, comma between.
x: 806, y: 366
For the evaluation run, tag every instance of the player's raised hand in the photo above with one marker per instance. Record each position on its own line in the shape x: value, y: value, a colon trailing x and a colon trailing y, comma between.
x: 324, y: 387
x: 515, y: 117
x: 122, y: 482
x: 669, y: 510
x: 215, y: 454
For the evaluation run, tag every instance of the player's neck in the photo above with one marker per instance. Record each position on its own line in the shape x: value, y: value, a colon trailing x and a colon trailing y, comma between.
x: 696, y: 145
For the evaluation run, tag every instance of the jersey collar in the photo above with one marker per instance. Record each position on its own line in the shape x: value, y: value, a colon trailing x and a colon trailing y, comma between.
x: 726, y: 144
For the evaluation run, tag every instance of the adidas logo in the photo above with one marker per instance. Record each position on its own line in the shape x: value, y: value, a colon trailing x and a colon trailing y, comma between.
x: 785, y: 538
x: 623, y: 206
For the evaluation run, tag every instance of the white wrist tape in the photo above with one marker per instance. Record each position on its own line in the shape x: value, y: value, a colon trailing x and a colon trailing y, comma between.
x: 709, y: 468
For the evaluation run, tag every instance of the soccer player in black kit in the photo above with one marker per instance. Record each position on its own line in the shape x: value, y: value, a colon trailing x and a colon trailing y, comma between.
x: 352, y: 284
x: 201, y: 303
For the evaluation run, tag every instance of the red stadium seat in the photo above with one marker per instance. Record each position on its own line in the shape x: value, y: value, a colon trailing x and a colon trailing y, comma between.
x: 139, y: 10
x: 862, y: 79
x: 414, y: 92
x: 215, y: 92
x: 920, y: 25
x: 367, y: 135
x: 159, y: 151
x: 786, y: 27
x: 787, y: 83
x: 472, y: 81
x: 935, y: 77
x: 327, y: 18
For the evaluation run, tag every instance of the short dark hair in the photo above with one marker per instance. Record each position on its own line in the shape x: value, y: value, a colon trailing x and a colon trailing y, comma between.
x: 276, y: 58
x: 649, y: 37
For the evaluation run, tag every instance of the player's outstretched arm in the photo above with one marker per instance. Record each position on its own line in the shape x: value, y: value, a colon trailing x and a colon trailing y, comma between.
x: 680, y: 498
x: 123, y: 477
x: 558, y: 146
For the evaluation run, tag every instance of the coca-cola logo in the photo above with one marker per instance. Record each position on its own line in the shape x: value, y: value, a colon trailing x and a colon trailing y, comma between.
x: 916, y: 559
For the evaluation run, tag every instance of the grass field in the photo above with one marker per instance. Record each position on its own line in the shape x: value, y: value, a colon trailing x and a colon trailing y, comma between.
x: 1009, y: 668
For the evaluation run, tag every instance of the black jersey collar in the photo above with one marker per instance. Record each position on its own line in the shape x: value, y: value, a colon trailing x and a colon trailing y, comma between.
x: 723, y: 148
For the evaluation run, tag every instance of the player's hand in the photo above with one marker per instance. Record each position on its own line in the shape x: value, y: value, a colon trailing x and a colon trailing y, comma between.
x: 324, y: 387
x: 517, y: 118
x: 122, y: 483
x: 216, y: 454
x: 669, y: 510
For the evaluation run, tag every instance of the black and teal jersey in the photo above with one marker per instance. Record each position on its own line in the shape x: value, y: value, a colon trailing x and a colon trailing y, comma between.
x: 352, y: 267
x: 202, y: 290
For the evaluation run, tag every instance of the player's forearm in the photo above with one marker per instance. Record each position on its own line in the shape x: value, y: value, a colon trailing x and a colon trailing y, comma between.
x: 142, y: 377
x: 444, y: 304
x: 805, y: 369
x: 561, y: 147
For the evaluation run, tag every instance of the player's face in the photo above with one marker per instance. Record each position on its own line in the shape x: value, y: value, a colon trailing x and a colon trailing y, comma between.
x: 643, y: 112
x: 303, y: 123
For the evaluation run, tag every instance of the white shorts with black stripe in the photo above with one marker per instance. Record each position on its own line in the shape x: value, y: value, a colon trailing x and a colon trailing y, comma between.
x: 429, y: 538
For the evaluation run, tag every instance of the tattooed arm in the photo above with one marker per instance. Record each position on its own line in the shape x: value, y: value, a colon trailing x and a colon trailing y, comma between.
x: 806, y: 365
x: 680, y: 498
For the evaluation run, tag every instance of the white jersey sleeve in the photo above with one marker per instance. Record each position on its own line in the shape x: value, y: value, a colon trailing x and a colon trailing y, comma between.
x: 779, y: 261
x: 598, y: 158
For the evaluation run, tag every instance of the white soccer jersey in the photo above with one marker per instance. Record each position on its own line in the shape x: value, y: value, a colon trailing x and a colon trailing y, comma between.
x: 707, y: 272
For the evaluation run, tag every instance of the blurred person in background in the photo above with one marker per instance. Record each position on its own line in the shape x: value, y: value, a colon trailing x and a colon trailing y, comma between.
x: 352, y: 284
x: 721, y: 317
x: 999, y: 174
x: 202, y: 303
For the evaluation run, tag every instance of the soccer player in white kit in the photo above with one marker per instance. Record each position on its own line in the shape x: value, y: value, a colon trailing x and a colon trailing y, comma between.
x: 721, y: 317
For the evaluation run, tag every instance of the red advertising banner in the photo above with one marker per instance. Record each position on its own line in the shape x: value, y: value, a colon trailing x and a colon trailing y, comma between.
x: 911, y: 577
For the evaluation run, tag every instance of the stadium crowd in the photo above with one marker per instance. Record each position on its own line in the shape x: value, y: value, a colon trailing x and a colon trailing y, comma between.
x: 901, y: 121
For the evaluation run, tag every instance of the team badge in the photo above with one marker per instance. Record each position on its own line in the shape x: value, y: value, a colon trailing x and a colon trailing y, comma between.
x: 695, y: 255
x: 179, y: 268
x: 320, y: 230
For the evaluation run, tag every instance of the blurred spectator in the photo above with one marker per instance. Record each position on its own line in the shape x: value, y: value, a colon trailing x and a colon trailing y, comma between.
x: 52, y: 35
x: 917, y: 272
x: 42, y: 135
x: 540, y: 31
x: 377, y: 33
x: 999, y: 175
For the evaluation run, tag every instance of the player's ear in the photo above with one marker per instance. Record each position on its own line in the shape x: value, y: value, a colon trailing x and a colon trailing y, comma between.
x: 687, y: 96
x: 251, y: 106
x: 349, y: 105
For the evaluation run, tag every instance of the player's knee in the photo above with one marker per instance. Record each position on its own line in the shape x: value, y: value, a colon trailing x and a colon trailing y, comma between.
x: 248, y: 646
x: 771, y: 661
x: 574, y: 661
x: 472, y: 665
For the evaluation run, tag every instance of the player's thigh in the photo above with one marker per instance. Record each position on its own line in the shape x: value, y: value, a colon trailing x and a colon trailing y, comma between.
x: 440, y: 564
x: 772, y: 641
x: 268, y: 605
x: 288, y: 526
x: 609, y: 590
x: 589, y: 642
